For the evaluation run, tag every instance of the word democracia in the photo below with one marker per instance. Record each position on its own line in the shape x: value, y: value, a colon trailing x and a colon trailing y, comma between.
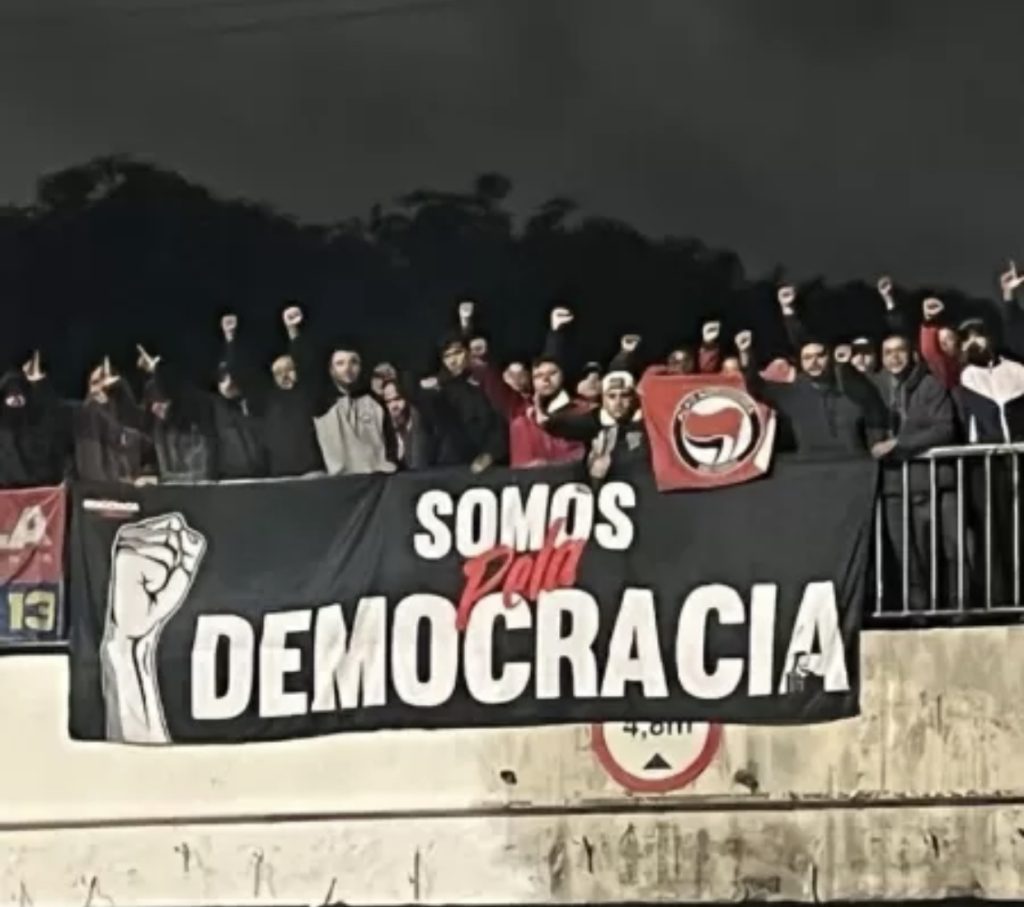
x: 313, y: 660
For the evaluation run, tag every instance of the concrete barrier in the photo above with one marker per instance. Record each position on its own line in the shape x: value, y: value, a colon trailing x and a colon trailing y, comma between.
x: 921, y: 796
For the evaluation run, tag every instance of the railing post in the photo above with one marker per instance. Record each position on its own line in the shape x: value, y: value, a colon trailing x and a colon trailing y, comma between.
x: 960, y: 553
x: 988, y: 531
x: 933, y: 535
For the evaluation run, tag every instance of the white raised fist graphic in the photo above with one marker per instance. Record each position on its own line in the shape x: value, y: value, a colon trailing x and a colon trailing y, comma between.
x: 153, y: 565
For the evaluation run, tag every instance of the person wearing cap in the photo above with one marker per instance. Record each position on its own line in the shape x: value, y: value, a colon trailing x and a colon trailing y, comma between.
x: 863, y: 355
x: 990, y: 399
x: 830, y: 408
x: 529, y: 444
x: 991, y: 391
x: 468, y: 429
x: 614, y: 431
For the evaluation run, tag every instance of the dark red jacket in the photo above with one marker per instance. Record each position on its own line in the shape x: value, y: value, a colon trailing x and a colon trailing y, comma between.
x: 529, y: 443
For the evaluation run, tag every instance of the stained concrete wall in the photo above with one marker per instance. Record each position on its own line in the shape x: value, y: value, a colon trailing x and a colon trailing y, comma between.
x: 921, y: 796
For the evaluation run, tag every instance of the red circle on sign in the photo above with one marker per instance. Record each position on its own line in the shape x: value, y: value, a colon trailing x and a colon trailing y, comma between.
x: 659, y: 785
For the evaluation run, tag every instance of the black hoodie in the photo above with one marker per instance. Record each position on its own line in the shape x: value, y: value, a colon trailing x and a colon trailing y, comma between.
x: 33, y: 438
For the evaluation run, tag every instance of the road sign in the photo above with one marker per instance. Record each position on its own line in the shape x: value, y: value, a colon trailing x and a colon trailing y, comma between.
x: 655, y: 756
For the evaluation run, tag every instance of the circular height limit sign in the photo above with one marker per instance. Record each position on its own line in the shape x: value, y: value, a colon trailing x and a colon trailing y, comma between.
x: 655, y: 756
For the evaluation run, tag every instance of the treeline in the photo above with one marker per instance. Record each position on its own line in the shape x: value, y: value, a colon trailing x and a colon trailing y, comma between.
x: 118, y: 251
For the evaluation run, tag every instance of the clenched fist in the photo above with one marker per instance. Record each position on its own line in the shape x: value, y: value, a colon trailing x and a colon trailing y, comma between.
x: 786, y: 296
x: 560, y: 317
x: 466, y: 309
x: 744, y: 341
x: 153, y: 566
x: 229, y: 326
x: 292, y: 317
x: 630, y: 342
x: 932, y: 308
x: 710, y: 331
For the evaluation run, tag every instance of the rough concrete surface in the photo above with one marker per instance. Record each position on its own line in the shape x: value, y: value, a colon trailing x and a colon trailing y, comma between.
x: 921, y: 796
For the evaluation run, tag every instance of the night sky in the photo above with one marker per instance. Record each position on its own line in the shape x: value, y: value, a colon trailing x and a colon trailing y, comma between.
x: 841, y: 138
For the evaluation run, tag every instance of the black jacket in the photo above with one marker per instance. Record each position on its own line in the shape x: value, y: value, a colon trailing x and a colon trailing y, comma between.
x: 110, y: 442
x: 33, y: 438
x: 921, y: 415
x: 289, y: 439
x: 464, y: 422
x: 841, y: 415
x: 185, y: 442
x: 625, y: 441
x: 240, y: 447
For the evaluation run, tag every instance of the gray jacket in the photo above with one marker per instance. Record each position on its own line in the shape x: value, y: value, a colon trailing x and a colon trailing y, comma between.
x: 351, y: 436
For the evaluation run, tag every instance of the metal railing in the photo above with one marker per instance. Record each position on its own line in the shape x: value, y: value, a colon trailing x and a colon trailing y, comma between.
x: 971, y: 568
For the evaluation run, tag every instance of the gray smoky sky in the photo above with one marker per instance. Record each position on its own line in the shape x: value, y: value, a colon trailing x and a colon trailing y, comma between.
x: 841, y: 138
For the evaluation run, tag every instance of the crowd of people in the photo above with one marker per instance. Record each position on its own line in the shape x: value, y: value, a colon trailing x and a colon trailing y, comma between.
x: 891, y: 397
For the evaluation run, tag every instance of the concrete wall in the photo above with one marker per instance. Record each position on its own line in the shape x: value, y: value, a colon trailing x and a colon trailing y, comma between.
x: 922, y: 796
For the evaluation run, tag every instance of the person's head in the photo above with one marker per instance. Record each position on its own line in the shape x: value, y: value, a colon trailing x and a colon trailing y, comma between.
x: 618, y: 395
x: 814, y: 359
x: 547, y: 378
x: 479, y: 348
x: 14, y: 393
x: 226, y: 385
x: 731, y: 366
x: 896, y: 357
x: 384, y: 373
x: 681, y: 361
x: 286, y: 376
x: 863, y: 357
x: 345, y: 368
x: 801, y: 662
x: 976, y: 342
x: 396, y: 404
x: 589, y: 387
x: 517, y: 377
x: 455, y: 357
x: 949, y: 343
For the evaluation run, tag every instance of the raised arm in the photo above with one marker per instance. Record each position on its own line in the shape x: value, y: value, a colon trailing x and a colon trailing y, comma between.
x: 795, y: 331
x: 895, y: 318
x: 241, y: 368
x: 626, y: 359
x: 709, y: 356
x: 769, y: 392
x: 1010, y: 312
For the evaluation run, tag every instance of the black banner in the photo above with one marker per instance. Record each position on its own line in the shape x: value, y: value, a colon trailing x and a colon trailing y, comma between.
x: 273, y: 610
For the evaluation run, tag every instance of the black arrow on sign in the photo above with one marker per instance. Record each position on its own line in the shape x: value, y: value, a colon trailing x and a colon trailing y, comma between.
x: 656, y: 761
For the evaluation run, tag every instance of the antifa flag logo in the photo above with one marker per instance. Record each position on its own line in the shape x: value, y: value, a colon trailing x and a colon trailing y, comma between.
x: 706, y: 431
x: 716, y: 430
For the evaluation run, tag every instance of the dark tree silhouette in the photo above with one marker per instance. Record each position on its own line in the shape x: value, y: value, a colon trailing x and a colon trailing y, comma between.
x: 117, y: 250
